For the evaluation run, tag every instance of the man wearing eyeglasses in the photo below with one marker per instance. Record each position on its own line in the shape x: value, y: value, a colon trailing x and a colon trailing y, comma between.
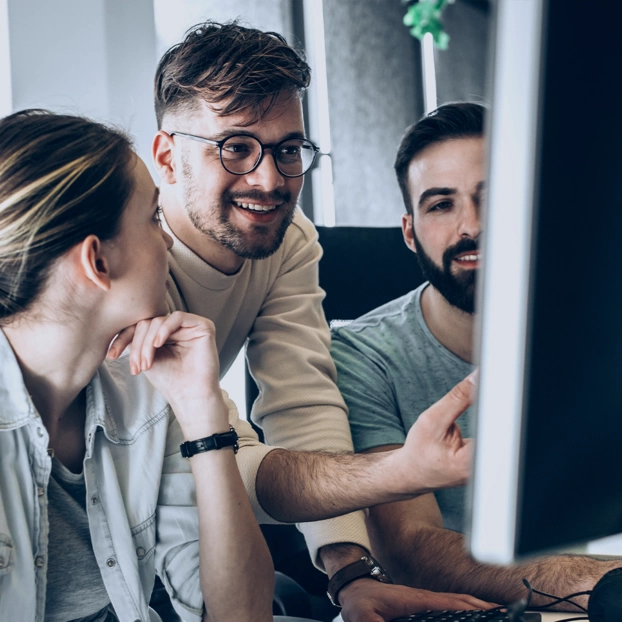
x: 231, y: 152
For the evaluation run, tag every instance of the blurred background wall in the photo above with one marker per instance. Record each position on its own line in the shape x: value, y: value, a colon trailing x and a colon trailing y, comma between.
x: 97, y: 57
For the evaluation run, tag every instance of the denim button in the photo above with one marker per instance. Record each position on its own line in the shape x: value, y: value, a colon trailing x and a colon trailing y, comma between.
x: 110, y: 563
x: 39, y: 431
x: 39, y: 562
x: 140, y: 552
x: 40, y: 491
x: 94, y: 499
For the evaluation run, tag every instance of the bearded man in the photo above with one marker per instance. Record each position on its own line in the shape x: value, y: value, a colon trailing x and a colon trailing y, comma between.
x: 396, y: 361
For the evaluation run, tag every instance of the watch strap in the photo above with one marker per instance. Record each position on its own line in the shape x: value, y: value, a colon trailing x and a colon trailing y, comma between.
x: 215, y: 441
x: 367, y: 566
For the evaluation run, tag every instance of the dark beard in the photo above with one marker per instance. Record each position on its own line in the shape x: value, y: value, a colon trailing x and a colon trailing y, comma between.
x: 457, y: 289
x: 261, y: 244
x: 265, y: 241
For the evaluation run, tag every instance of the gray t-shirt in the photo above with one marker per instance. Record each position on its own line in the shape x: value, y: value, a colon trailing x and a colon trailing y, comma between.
x: 390, y: 369
x: 75, y: 589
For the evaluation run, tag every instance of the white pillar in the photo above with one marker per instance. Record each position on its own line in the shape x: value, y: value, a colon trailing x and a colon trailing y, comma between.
x: 5, y: 62
x: 95, y: 58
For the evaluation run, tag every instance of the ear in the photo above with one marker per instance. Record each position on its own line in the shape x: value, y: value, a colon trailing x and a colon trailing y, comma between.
x: 408, y: 232
x: 93, y: 263
x: 162, y: 153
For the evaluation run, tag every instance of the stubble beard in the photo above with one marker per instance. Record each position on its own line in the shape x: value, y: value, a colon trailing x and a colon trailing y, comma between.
x: 459, y: 288
x: 214, y: 220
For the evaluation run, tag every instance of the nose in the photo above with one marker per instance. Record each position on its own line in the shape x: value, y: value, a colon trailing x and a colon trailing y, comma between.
x: 168, y: 240
x: 469, y: 225
x: 266, y: 175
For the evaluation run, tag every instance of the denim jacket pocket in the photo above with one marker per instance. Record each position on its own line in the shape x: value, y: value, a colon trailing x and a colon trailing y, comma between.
x: 6, y: 554
x: 144, y: 536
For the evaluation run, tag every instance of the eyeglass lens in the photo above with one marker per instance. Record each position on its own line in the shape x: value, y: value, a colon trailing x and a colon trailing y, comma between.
x: 240, y: 155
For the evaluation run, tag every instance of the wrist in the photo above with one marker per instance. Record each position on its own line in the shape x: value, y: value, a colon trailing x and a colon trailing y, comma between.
x: 201, y: 418
x: 337, y: 556
x: 214, y: 442
x: 402, y: 482
x: 365, y: 568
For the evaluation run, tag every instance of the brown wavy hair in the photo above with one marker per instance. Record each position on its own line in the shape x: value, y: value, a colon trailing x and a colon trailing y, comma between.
x: 230, y: 67
x: 62, y: 178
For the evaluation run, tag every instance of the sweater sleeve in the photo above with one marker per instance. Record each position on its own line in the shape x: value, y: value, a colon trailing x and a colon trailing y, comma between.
x: 299, y: 405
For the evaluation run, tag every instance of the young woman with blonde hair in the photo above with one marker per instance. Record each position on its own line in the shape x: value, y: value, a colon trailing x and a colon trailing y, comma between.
x: 94, y: 495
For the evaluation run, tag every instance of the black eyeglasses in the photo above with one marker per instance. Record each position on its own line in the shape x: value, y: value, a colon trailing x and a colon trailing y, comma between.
x: 241, y: 154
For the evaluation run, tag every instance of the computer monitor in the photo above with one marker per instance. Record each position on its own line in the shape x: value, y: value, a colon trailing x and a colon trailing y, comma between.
x: 548, y: 467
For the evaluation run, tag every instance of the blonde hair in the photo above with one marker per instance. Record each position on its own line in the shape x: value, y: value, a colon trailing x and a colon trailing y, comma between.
x: 62, y: 178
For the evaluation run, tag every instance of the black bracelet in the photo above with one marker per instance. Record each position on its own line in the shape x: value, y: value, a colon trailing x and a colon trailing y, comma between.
x: 215, y: 441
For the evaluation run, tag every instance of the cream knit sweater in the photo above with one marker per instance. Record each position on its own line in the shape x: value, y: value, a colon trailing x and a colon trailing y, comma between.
x: 276, y: 303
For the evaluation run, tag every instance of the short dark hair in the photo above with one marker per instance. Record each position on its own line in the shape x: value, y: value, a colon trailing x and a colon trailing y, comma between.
x: 244, y: 67
x: 62, y: 178
x: 447, y: 122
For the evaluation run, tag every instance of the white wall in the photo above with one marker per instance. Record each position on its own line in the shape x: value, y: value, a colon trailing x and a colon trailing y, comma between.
x: 5, y: 60
x: 95, y: 58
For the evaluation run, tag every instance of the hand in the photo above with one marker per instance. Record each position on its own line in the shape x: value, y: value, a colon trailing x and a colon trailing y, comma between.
x: 368, y: 600
x: 435, y: 452
x: 179, y: 357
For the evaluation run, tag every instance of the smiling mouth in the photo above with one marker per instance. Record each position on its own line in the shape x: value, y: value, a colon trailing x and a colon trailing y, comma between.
x: 469, y: 257
x: 253, y: 207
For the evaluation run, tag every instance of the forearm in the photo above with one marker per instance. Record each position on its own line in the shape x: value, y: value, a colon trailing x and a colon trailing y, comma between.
x: 235, y: 564
x: 307, y: 486
x: 436, y: 559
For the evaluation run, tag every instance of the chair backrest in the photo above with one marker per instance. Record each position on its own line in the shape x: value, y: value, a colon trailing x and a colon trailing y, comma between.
x: 363, y: 268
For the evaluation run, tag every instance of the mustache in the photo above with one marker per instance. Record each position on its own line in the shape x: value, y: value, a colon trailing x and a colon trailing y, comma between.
x: 256, y: 195
x: 465, y: 245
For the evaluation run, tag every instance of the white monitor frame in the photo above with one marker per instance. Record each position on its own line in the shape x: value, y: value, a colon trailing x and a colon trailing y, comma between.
x: 503, y: 295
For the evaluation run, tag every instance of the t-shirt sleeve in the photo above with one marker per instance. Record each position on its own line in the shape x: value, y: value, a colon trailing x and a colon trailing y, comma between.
x: 367, y: 388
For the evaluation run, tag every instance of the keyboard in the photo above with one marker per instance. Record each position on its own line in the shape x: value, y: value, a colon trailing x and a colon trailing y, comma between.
x: 475, y: 615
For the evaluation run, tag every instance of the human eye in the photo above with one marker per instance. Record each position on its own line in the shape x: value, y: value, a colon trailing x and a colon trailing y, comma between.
x: 157, y: 215
x: 239, y: 147
x: 233, y: 147
x: 290, y: 152
x: 441, y: 206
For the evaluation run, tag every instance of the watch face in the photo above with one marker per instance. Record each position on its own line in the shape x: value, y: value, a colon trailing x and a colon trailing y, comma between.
x: 376, y: 570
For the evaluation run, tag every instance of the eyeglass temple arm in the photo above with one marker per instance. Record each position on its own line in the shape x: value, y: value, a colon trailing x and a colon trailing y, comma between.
x: 197, y: 138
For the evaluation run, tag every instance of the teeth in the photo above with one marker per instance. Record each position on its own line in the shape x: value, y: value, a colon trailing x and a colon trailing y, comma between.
x: 470, y: 257
x: 256, y: 208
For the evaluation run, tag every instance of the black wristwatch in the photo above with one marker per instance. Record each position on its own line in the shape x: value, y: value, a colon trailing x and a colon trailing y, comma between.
x: 215, y: 441
x: 367, y: 566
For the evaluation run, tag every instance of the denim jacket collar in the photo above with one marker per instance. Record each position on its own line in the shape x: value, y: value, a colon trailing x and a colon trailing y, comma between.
x: 17, y: 407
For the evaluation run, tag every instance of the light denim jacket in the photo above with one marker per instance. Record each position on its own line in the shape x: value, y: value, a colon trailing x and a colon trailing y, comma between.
x: 140, y: 494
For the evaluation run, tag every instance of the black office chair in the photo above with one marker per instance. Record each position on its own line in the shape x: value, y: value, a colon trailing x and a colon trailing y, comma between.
x: 361, y: 269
